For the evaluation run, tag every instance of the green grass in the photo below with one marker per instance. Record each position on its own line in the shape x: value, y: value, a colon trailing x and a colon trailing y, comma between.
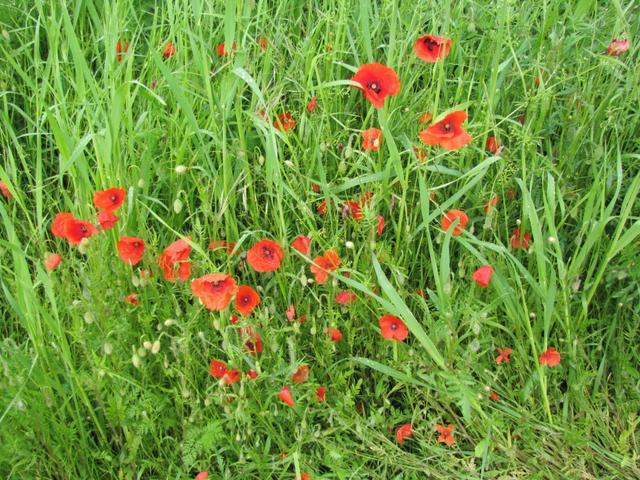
x: 74, y: 120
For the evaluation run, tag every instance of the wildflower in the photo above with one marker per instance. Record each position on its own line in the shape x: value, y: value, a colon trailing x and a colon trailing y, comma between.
x: 344, y: 298
x: 217, y: 368
x: 254, y: 343
x: 302, y: 244
x: 377, y: 81
x: 491, y: 203
x: 5, y: 190
x: 402, y: 432
x: 493, y: 146
x: 550, y: 357
x: 504, y: 355
x: 246, y: 300
x: 52, y: 262
x: 176, y: 253
x: 617, y: 47
x: 110, y: 199
x: 263, y: 43
x: 285, y: 396
x: 76, y: 230
x: 130, y: 249
x: 334, y: 334
x: 301, y: 374
x: 493, y: 396
x: 353, y: 208
x: 446, y: 434
x: 231, y: 377
x: 265, y: 256
x: 252, y: 374
x: 392, y: 328
x: 284, y: 122
x: 106, y: 219
x: 132, y: 299
x: 202, y: 476
x: 169, y: 50
x: 218, y: 244
x: 312, y: 104
x: 519, y: 240
x: 432, y: 48
x: 482, y: 276
x: 372, y: 139
x: 122, y: 46
x: 380, y: 225
x: 322, y: 207
x: 214, y: 290
x: 450, y: 217
x: 291, y: 312
x: 448, y: 132
x: 324, y: 264
x: 222, y: 52
x: 321, y: 393
x: 426, y: 117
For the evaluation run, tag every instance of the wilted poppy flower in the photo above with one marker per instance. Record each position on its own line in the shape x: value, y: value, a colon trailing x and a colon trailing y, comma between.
x: 334, y: 334
x: 202, y: 476
x: 131, y: 249
x: 121, y: 47
x: 421, y: 154
x: 321, y: 393
x: 217, y: 368
x: 214, y: 290
x: 132, y: 298
x: 52, y: 262
x: 222, y: 52
x: 482, y: 276
x: 402, y: 432
x: 353, y: 209
x: 448, y: 132
x: 446, y: 434
x: 169, y: 50
x: 491, y: 203
x: 252, y: 374
x: 301, y: 374
x: 377, y: 81
x: 59, y: 221
x: 504, y: 355
x: 75, y: 230
x: 372, y: 139
x: 450, y: 217
x: 380, y: 225
x: 5, y: 190
x: 302, y: 243
x: 291, y: 312
x: 285, y: 396
x: 312, y: 104
x: 176, y: 253
x: 493, y: 146
x: 324, y: 264
x: 322, y: 207
x: 616, y: 47
x: 426, y: 117
x: 263, y: 43
x: 110, y: 199
x: 284, y: 122
x: 254, y: 343
x: 106, y: 219
x: 231, y: 377
x: 392, y: 328
x: 519, y: 240
x: 265, y: 256
x: 344, y: 298
x: 550, y: 357
x: 246, y: 300
x: 432, y: 48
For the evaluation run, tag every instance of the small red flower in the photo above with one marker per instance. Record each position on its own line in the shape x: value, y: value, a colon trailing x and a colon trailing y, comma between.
x: 291, y: 313
x: 132, y: 299
x: 322, y: 207
x: 380, y: 225
x: 353, y: 208
x: 482, y: 276
x: 426, y: 117
x: 284, y: 122
x: 504, y: 355
x: 231, y: 377
x: 494, y: 396
x: 321, y: 393
x: 372, y: 139
x: 52, y: 262
x: 302, y: 243
x: 301, y: 374
x: 5, y: 190
x: 214, y: 290
x: 176, y: 253
x: 169, y: 50
x: 402, y: 432
x: 519, y: 240
x: 491, y: 203
x: 334, y: 334
x: 202, y: 476
x: 130, y: 249
x: 263, y: 43
x: 265, y: 256
x: 617, y: 47
x: 446, y: 434
x: 75, y: 230
x: 305, y: 476
x: 550, y: 357
x: 324, y: 264
x: 392, y: 328
x: 246, y: 300
x: 493, y: 146
x: 448, y: 132
x: 217, y: 368
x: 344, y: 298
x: 59, y: 221
x: 121, y: 47
x: 285, y: 396
x: 252, y: 374
x: 450, y: 217
x: 110, y: 199
x: 432, y: 48
x: 377, y: 81
x: 222, y: 52
x: 233, y: 319
x: 312, y: 104
x: 106, y: 219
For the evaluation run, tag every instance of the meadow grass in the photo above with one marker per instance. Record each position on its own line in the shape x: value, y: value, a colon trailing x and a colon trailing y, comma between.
x: 81, y: 396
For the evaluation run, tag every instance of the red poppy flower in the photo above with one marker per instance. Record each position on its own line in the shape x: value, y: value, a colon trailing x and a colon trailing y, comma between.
x: 504, y: 355
x: 110, y: 199
x: 616, y: 47
x: 131, y: 249
x: 448, y: 132
x: 121, y: 47
x: 519, y: 240
x: 550, y: 357
x: 132, y: 299
x: 392, y: 328
x: 321, y: 393
x: 402, y: 432
x: 246, y: 300
x: 231, y: 377
x: 426, y: 117
x: 263, y: 43
x: 265, y: 256
x: 217, y: 368
x: 291, y: 312
x: 285, y: 396
x: 284, y: 122
x: 432, y: 48
x: 377, y: 81
x: 302, y: 243
x: 449, y: 218
x: 494, y: 396
x: 75, y: 230
x: 344, y: 298
x: 353, y: 208
x: 176, y: 253
x: 221, y: 52
x: 52, y: 262
x: 312, y: 104
x: 169, y: 50
x: 491, y: 203
x: 446, y: 434
x: 380, y: 225
x: 322, y: 207
x: 493, y: 146
x: 233, y: 319
x: 372, y: 139
x: 106, y: 219
x: 301, y: 374
x: 334, y: 334
x: 482, y: 276
x: 214, y: 290
x: 5, y: 190
x: 324, y: 264
x: 202, y: 476
x: 315, y: 187
x: 57, y: 226
x: 254, y: 343
x: 252, y: 374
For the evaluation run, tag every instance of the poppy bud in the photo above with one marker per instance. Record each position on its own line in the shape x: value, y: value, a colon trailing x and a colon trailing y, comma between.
x: 348, y: 244
x: 89, y: 318
x: 136, y: 361
x: 147, y: 345
x: 177, y: 205
x: 141, y: 183
x: 180, y: 169
x: 107, y: 348
x: 155, y: 348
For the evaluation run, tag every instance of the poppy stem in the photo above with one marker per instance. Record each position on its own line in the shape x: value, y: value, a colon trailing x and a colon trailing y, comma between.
x: 395, y: 352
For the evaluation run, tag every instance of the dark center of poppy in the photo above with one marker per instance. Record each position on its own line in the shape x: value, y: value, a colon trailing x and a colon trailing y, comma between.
x: 83, y: 229
x: 447, y: 127
x: 267, y: 252
x: 431, y: 44
x: 375, y: 87
x: 136, y: 244
x: 216, y: 285
x: 394, y: 326
x: 245, y: 299
x: 113, y: 198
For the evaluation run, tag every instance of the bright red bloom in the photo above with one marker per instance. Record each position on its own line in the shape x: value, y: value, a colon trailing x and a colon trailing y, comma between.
x: 131, y: 249
x: 302, y: 243
x: 217, y: 368
x: 252, y: 374
x: 285, y: 396
x: 265, y: 256
x: 482, y: 276
x: 493, y: 146
x: 402, y: 432
x: 305, y: 476
x: 121, y: 47
x: 334, y: 334
x: 380, y: 225
x: 263, y: 43
x: 202, y: 476
x: 616, y: 47
x: 426, y: 117
x: 246, y: 300
x: 233, y: 319
x: 110, y: 199
x: 450, y: 217
x: 344, y: 298
x: 301, y: 374
x: 321, y: 393
x: 494, y: 396
x: 550, y: 357
x: 448, y: 132
x: 432, y: 48
x: 291, y: 313
x: 231, y: 377
x: 5, y: 190
x: 169, y: 50
x: 176, y: 253
x: 106, y: 219
x: 312, y: 104
x: 377, y: 81
x: 52, y: 262
x: 214, y: 290
x: 392, y: 328
x: 354, y: 209
x: 372, y: 139
x: 323, y: 265
x: 491, y: 203
x: 132, y: 298
x: 284, y: 122
x: 446, y: 434
x: 504, y: 355
x: 59, y: 221
x: 222, y: 52
x: 75, y: 230
x: 519, y: 240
